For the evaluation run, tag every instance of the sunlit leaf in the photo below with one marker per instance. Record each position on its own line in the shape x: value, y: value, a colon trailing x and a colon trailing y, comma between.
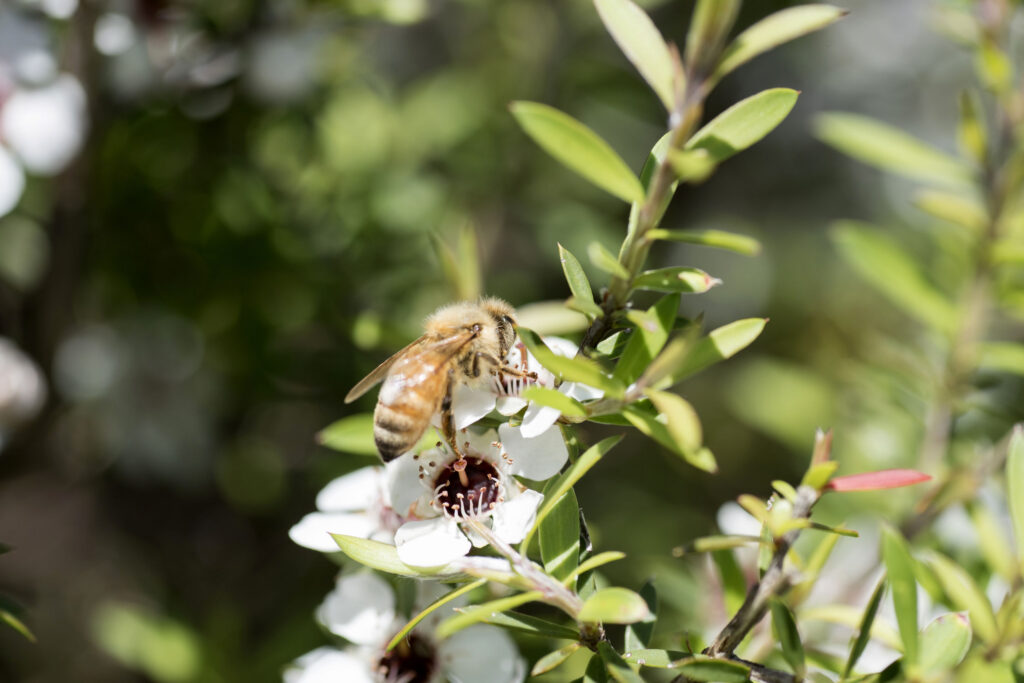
x: 722, y: 343
x: 596, y: 561
x: 578, y: 369
x: 944, y: 642
x: 17, y: 624
x: 614, y: 606
x: 560, y: 537
x: 900, y: 568
x: 579, y: 285
x: 741, y: 244
x: 531, y: 625
x: 651, y: 330
x: 1002, y: 357
x: 954, y: 208
x: 744, y: 123
x: 616, y: 666
x: 654, y: 659
x: 551, y: 317
x: 641, y: 42
x: 881, y: 145
x: 678, y: 279
x: 882, y: 262
x: 553, y: 660
x: 566, y: 405
x: 1015, y: 488
x: 352, y: 434
x: 774, y: 30
x: 650, y: 426
x: 706, y: 544
x: 712, y: 20
x: 478, y: 613
x: 680, y: 419
x: 579, y: 148
x: 692, y: 165
x: 965, y: 594
x: 700, y: 668
x: 971, y: 134
x: 657, y: 155
x: 432, y: 607
x: 604, y: 260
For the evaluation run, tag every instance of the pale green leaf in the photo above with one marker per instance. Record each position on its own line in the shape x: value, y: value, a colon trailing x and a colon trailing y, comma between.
x: 712, y: 20
x: 890, y: 149
x: 17, y: 624
x: 478, y: 613
x: 578, y: 369
x: 559, y: 536
x: 606, y: 261
x: 638, y: 635
x: 531, y: 625
x: 651, y: 331
x: 882, y: 262
x: 965, y: 594
x: 579, y: 148
x: 741, y: 244
x: 692, y: 165
x: 788, y: 637
x: 553, y: 660
x: 551, y: 317
x: 596, y: 561
x: 900, y: 568
x: 614, y: 606
x: 865, y: 628
x: 650, y: 426
x: 944, y: 643
x: 722, y: 343
x: 352, y: 434
x: 953, y: 208
x: 700, y: 668
x: 642, y: 44
x: 744, y: 123
x: 972, y: 137
x: 680, y: 419
x: 774, y: 30
x: 1015, y: 488
x: 432, y: 607
x: 677, y: 279
x: 553, y: 398
x: 1002, y: 357
x: 579, y: 285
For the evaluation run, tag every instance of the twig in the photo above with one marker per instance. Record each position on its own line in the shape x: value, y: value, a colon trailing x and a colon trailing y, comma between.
x: 775, y: 582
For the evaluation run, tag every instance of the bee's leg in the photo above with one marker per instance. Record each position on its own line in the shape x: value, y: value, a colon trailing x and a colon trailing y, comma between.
x: 500, y: 370
x: 448, y: 430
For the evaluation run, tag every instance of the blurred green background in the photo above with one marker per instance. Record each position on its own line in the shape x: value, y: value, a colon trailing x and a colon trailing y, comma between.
x: 252, y: 225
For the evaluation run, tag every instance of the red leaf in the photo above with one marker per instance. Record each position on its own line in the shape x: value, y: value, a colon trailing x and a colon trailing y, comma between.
x: 872, y: 481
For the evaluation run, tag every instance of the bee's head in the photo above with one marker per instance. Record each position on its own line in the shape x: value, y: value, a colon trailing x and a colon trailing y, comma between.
x: 504, y: 317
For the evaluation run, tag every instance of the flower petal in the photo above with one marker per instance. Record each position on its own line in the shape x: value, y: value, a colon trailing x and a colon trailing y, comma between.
x: 513, y: 518
x: 538, y: 419
x: 403, y: 483
x: 481, y: 654
x: 509, y: 405
x: 470, y: 404
x: 580, y: 391
x: 561, y: 346
x: 361, y: 609
x: 539, y: 457
x: 430, y: 542
x: 314, y: 530
x: 358, y: 490
x: 328, y: 665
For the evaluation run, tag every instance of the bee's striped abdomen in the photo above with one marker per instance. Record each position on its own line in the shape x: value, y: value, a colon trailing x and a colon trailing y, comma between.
x: 401, y: 417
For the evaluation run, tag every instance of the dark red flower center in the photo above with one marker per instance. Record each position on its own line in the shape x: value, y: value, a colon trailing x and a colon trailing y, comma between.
x: 470, y: 493
x: 411, y: 661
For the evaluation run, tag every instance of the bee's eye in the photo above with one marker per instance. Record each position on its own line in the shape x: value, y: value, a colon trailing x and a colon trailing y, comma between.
x: 508, y: 319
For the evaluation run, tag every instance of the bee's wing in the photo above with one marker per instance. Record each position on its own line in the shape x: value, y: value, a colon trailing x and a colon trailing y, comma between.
x: 379, y: 373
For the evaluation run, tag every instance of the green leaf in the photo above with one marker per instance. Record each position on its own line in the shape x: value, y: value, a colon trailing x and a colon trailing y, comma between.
x: 643, y: 45
x: 352, y: 434
x: 578, y: 369
x: 964, y: 593
x: 682, y: 280
x: 579, y: 148
x: 614, y: 606
x: 818, y: 474
x: 638, y: 635
x: 700, y: 668
x: 788, y: 637
x: 604, y: 260
x: 553, y: 660
x: 692, y: 165
x: 651, y: 164
x: 712, y: 20
x: 654, y: 659
x: 551, y: 317
x: 650, y: 426
x: 440, y: 602
x: 651, y: 332
x: 972, y: 137
x: 596, y: 561
x: 774, y: 30
x: 1002, y: 357
x: 579, y: 285
x: 616, y: 665
x: 560, y: 538
x: 530, y: 625
x: 997, y: 552
x: 879, y: 259
x: 707, y: 544
x: 553, y: 398
x: 377, y: 555
x: 944, y: 643
x: 851, y: 617
x: 900, y: 567
x: 890, y: 149
x: 17, y: 624
x: 953, y: 208
x: 1015, y: 488
x: 744, y: 123
x: 675, y: 364
x: 596, y: 672
x: 734, y: 584
x: 680, y: 419
x: 569, y: 478
x: 864, y: 632
x: 720, y: 239
x: 478, y: 613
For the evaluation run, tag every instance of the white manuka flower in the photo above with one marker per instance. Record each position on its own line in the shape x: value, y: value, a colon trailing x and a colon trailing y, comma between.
x: 361, y: 609
x: 438, y: 497
x: 356, y: 504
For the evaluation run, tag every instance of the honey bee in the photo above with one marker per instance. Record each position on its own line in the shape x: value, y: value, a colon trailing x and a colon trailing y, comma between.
x: 463, y: 343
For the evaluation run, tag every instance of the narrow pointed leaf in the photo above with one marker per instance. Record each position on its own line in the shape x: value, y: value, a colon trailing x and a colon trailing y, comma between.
x: 579, y: 148
x: 614, y: 606
x: 1002, y: 357
x: 972, y: 137
x: 579, y: 285
x: 551, y: 317
x: 864, y: 631
x: 890, y: 149
x: 596, y: 561
x: 18, y: 625
x: 437, y: 604
x: 638, y: 635
x: 683, y: 280
x: 530, y: 625
x: 377, y: 555
x: 1015, y: 488
x: 965, y: 594
x: 992, y: 541
x: 744, y: 123
x: 560, y: 538
x: 479, y: 613
x: 680, y: 419
x: 884, y: 264
x: 692, y: 165
x: 352, y: 434
x: 650, y: 334
x: 944, y: 643
x: 900, y: 569
x: 720, y: 239
x: 642, y: 43
x: 722, y: 343
x: 734, y: 584
x: 566, y: 405
x: 616, y: 665
x: 788, y: 637
x: 604, y: 260
x: 875, y: 481
x: 707, y: 544
x: 700, y: 668
x: 712, y: 20
x: 578, y: 369
x: 774, y: 30
x: 650, y: 426
x: 654, y: 659
x: 953, y: 208
x: 553, y: 660
x: 657, y: 155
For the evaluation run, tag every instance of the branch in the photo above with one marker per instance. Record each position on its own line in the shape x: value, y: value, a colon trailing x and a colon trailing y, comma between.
x: 775, y: 582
